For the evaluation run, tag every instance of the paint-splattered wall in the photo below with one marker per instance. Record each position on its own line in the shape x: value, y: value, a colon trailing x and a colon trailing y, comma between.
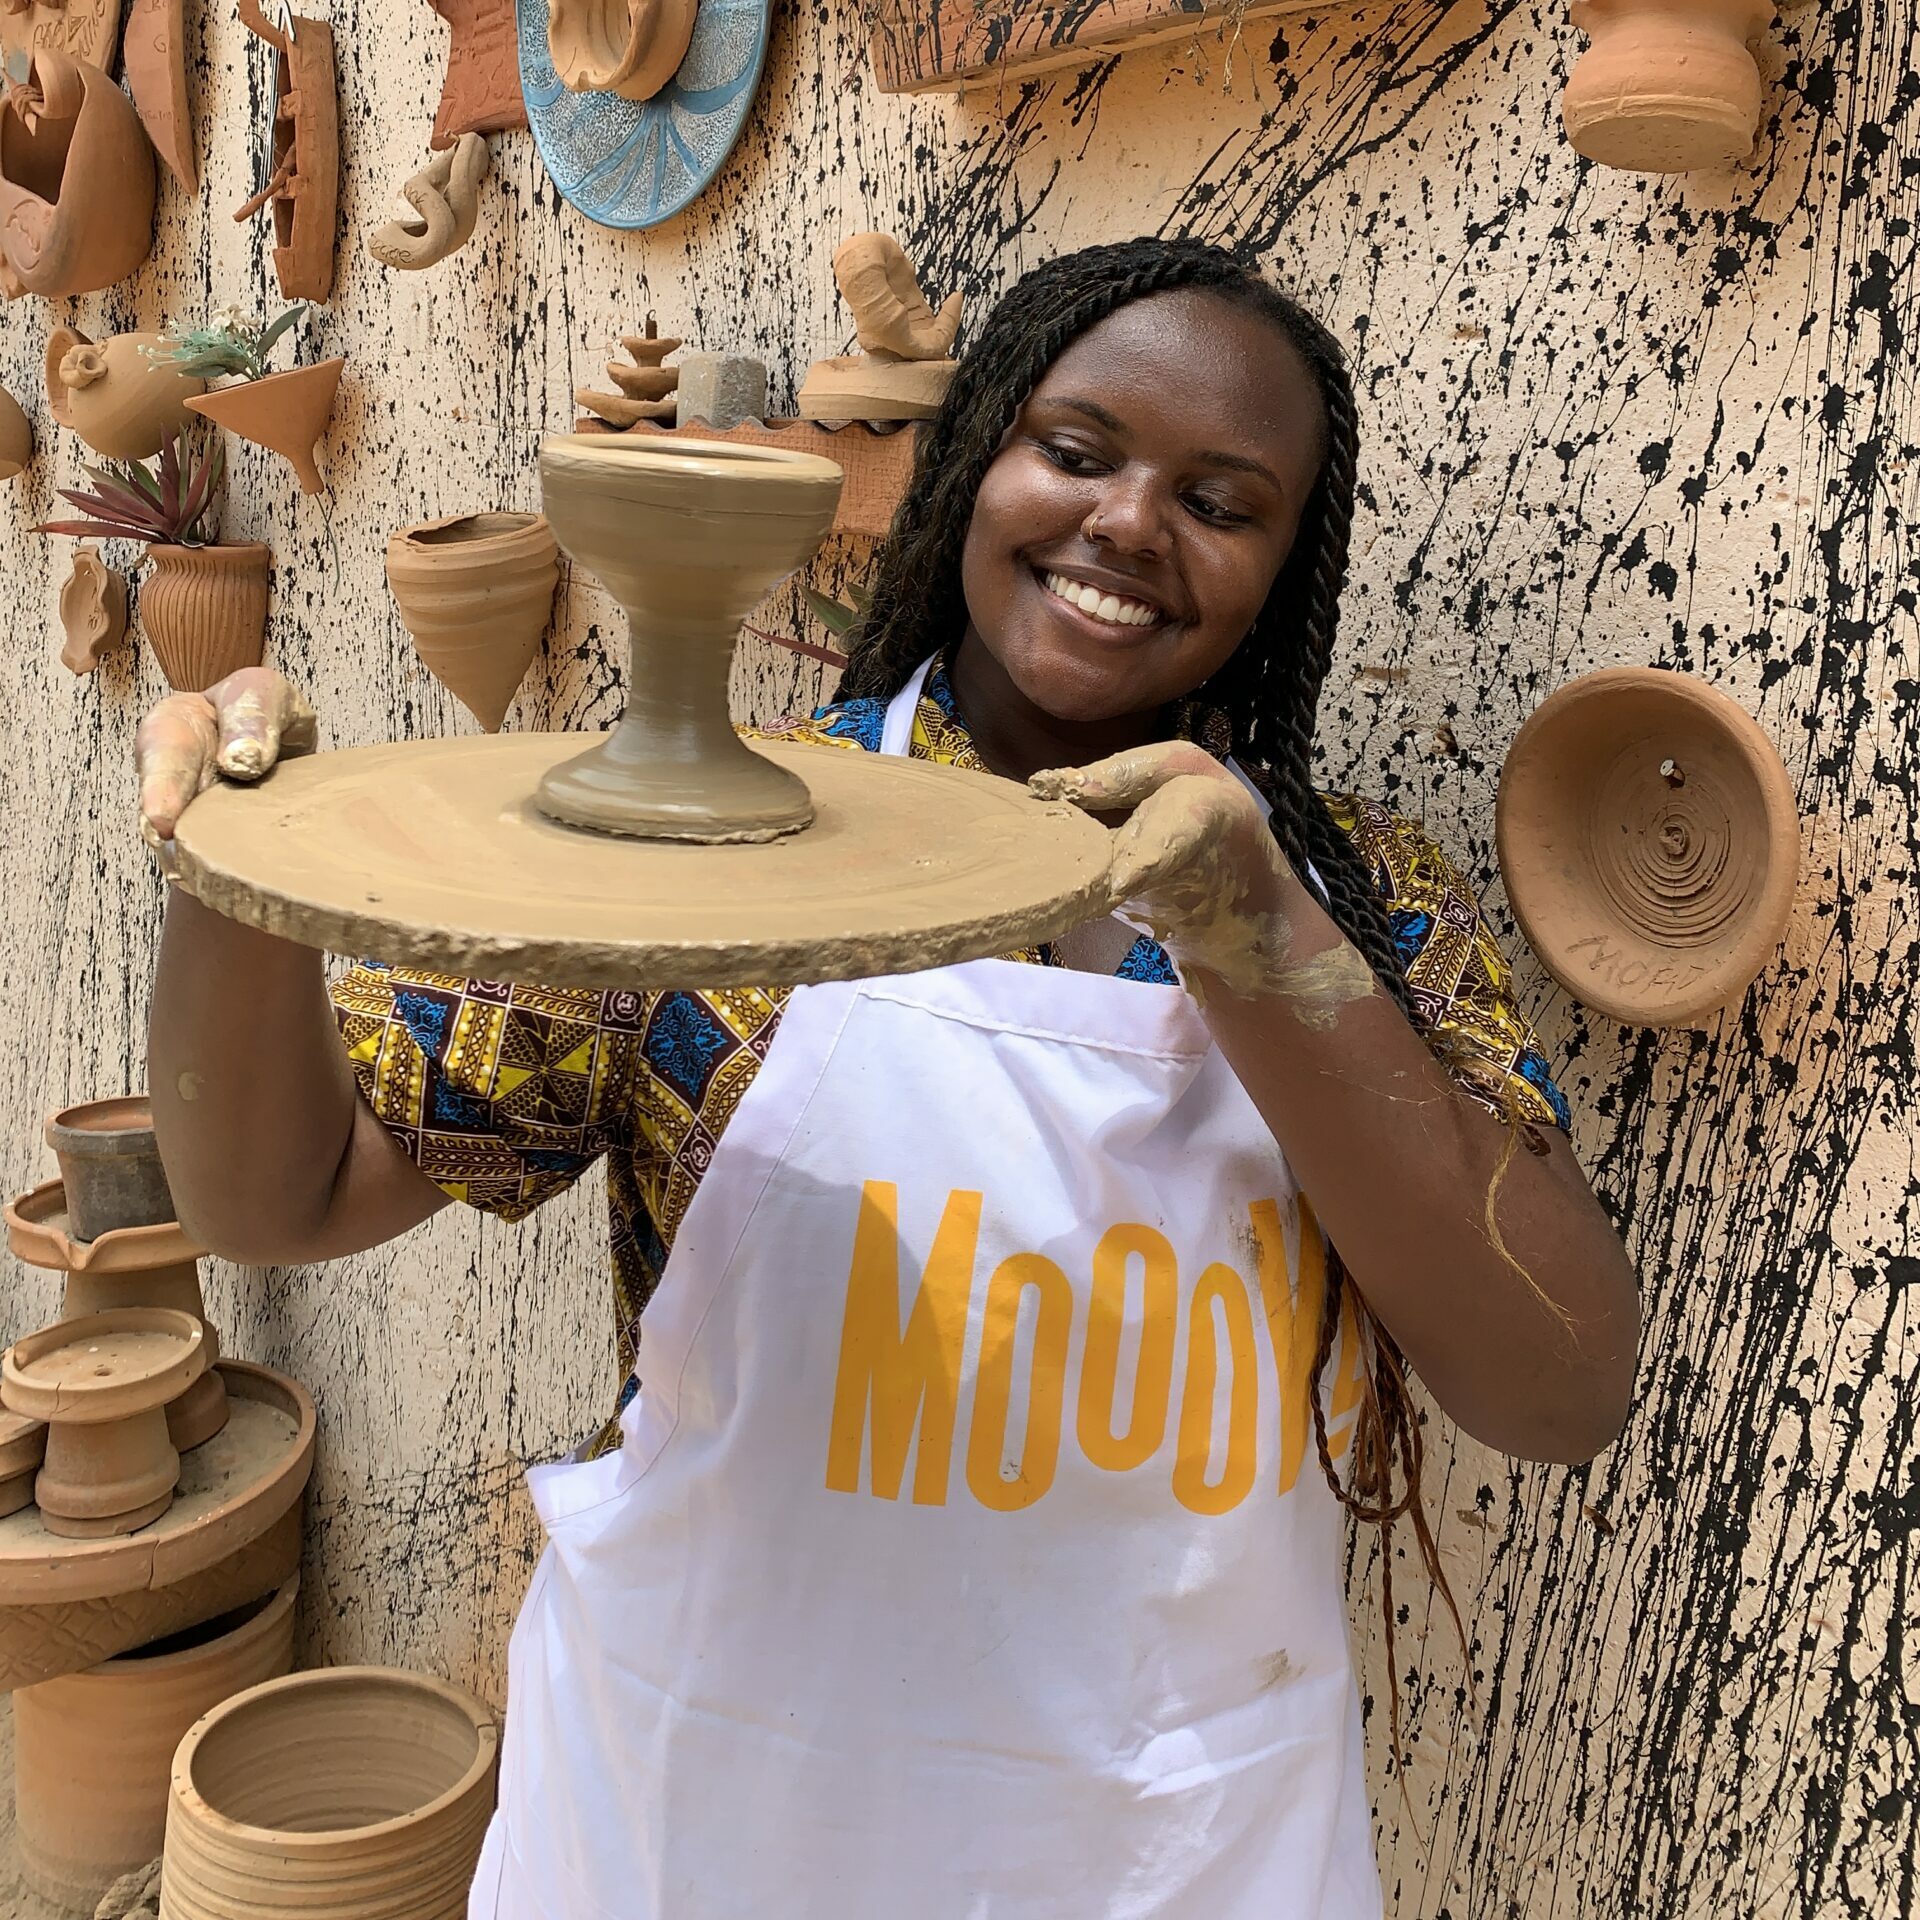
x: 1607, y: 419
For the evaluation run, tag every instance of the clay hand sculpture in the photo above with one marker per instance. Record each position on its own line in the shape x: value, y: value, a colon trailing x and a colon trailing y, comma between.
x: 304, y: 187
x: 445, y: 198
x: 16, y: 437
x: 481, y: 93
x: 646, y: 387
x: 629, y: 47
x: 118, y: 396
x: 156, y: 59
x: 93, y: 611
x: 904, y: 372
x: 76, y: 181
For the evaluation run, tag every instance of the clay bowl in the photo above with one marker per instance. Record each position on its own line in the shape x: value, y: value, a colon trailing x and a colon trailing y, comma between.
x: 336, y: 1795
x: 110, y: 1166
x: 1649, y: 839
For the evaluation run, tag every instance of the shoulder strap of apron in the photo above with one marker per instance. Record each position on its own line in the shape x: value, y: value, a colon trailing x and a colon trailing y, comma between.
x: 896, y: 737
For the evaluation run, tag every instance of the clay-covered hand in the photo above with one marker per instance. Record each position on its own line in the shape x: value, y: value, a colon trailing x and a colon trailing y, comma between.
x: 236, y: 730
x: 1198, y: 863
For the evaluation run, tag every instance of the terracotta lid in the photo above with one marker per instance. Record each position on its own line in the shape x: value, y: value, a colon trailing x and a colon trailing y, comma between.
x: 104, y: 1366
x: 1650, y: 839
x: 38, y: 1233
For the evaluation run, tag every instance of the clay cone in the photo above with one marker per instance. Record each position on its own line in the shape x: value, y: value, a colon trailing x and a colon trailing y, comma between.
x: 204, y: 609
x: 286, y: 413
x: 476, y: 593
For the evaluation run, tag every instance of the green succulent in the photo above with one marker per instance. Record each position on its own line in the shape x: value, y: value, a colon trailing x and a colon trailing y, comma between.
x: 166, y: 504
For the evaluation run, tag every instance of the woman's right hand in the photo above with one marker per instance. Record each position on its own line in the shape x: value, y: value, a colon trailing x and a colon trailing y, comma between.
x: 236, y: 730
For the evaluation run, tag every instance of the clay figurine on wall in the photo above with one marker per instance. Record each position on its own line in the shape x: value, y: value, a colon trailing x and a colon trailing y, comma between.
x: 93, y: 611
x: 629, y: 47
x: 118, y: 396
x: 481, y: 93
x: 204, y: 606
x: 304, y: 187
x: 16, y: 437
x: 284, y: 412
x: 445, y: 198
x: 1666, y: 85
x: 86, y: 30
x: 646, y: 387
x: 156, y: 61
x: 76, y: 181
x: 905, y: 370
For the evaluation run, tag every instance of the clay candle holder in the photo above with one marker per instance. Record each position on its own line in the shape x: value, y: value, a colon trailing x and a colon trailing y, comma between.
x: 102, y: 1384
x: 1649, y: 840
x: 334, y: 1795
x: 115, y: 395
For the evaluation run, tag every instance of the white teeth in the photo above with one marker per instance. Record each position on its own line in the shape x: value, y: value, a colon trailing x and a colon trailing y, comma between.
x: 1109, y: 607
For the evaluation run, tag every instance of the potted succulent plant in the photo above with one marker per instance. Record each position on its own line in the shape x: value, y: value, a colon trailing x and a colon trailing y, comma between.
x: 204, y: 606
x: 284, y: 412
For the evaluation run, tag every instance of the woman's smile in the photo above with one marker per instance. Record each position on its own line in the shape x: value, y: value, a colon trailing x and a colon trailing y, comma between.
x: 1114, y: 608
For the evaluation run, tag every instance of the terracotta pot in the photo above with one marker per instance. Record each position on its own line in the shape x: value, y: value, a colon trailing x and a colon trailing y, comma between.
x: 339, y: 1795
x: 1666, y: 85
x: 110, y: 1165
x: 23, y: 1445
x: 629, y: 47
x: 476, y: 594
x: 93, y: 1752
x: 102, y: 1384
x: 205, y: 611
x: 114, y: 395
x: 16, y: 437
x: 1649, y: 839
x: 76, y: 181
x: 284, y: 412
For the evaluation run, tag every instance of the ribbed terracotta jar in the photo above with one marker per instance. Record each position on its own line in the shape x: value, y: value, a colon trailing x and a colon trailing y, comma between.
x: 94, y: 1751
x: 353, y: 1793
x: 476, y: 593
x: 204, y: 609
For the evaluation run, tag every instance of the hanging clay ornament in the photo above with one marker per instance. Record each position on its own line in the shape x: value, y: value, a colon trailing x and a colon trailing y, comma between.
x: 475, y: 592
x: 16, y: 437
x: 86, y: 30
x: 629, y: 47
x: 646, y: 387
x: 76, y: 181
x: 1666, y: 85
x: 115, y: 395
x: 481, y: 93
x: 23, y: 1445
x: 445, y: 198
x: 304, y: 187
x: 284, y: 412
x: 204, y: 611
x: 905, y: 370
x: 1649, y: 839
x: 156, y: 61
x: 93, y: 611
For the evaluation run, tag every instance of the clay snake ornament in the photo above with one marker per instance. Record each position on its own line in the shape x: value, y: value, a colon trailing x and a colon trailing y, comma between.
x: 445, y: 195
x: 890, y: 313
x: 629, y: 47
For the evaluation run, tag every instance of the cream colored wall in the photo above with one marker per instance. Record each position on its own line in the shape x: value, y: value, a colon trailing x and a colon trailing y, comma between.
x: 1607, y: 419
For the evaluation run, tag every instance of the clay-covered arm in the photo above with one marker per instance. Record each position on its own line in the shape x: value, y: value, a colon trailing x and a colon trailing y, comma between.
x: 272, y: 1156
x: 1526, y: 1335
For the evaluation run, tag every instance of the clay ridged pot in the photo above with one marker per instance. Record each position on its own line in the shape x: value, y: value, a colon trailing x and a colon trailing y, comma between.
x: 476, y: 593
x: 284, y: 412
x: 205, y: 611
x: 114, y: 395
x: 16, y: 437
x: 353, y: 1793
x: 93, y: 1751
x: 1667, y: 85
x: 110, y: 1165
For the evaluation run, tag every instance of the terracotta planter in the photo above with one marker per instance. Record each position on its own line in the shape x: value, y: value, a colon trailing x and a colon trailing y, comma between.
x: 205, y: 611
x: 339, y: 1795
x: 476, y: 594
x: 93, y: 1752
x: 110, y: 1166
x: 1666, y: 85
x: 16, y: 437
x: 102, y: 1384
x: 114, y: 395
x: 284, y: 412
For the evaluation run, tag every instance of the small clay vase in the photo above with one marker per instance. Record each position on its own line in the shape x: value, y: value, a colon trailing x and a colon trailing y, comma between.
x: 102, y: 1384
x: 16, y: 437
x: 629, y: 47
x: 1666, y: 85
x: 476, y: 594
x: 23, y: 1445
x: 284, y: 412
x: 205, y: 611
x: 115, y: 395
x: 335, y: 1795
x: 76, y: 181
x: 110, y: 1165
x: 93, y: 1751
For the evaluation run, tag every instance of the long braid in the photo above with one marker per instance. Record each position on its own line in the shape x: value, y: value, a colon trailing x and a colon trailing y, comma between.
x: 1264, y: 701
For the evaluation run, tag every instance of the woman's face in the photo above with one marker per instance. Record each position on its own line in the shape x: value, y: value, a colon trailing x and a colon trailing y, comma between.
x: 1128, y: 530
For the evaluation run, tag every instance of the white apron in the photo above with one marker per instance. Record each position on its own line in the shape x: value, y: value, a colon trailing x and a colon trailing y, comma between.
x: 968, y: 1557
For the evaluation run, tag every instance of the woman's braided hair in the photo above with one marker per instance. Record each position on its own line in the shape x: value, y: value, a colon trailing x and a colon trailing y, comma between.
x: 1260, y: 705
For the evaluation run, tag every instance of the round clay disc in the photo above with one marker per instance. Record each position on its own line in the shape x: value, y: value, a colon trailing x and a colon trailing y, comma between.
x: 1649, y: 839
x: 433, y: 854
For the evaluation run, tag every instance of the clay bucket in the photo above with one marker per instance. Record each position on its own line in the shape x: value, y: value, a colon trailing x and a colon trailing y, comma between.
x: 16, y: 437
x: 205, y: 611
x: 110, y: 1166
x: 114, y: 395
x: 1649, y: 839
x: 93, y: 1751
x: 102, y: 1384
x: 629, y: 47
x: 1666, y: 85
x: 345, y: 1794
x: 76, y: 188
x: 476, y: 594
x: 284, y: 412
x: 23, y: 1445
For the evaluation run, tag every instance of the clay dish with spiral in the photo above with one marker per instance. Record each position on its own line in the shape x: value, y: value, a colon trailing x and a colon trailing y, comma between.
x: 1649, y: 839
